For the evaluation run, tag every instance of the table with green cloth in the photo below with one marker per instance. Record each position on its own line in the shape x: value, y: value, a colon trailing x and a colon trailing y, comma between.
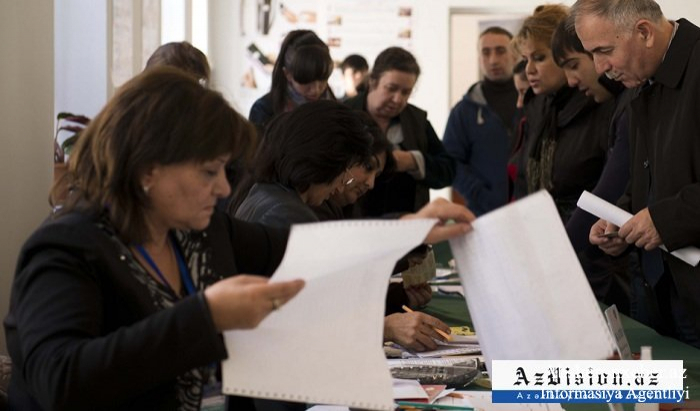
x: 452, y: 309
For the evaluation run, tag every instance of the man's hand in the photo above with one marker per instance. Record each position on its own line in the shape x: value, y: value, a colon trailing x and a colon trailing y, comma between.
x: 640, y: 231
x: 603, y: 235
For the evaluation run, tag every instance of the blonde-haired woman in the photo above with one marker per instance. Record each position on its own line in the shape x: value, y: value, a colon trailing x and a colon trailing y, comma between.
x: 567, y: 140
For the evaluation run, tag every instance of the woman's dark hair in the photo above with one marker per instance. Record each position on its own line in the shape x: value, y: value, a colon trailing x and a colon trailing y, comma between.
x: 312, y: 144
x: 496, y: 30
x: 162, y: 116
x: 182, y: 55
x: 380, y: 144
x: 355, y: 62
x: 306, y: 57
x: 394, y: 58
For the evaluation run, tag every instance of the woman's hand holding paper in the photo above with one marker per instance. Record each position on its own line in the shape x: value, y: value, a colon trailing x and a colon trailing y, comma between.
x: 460, y: 219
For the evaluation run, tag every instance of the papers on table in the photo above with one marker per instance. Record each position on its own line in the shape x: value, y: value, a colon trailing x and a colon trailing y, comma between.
x: 405, y: 389
x: 611, y: 213
x: 444, y: 272
x: 446, y: 350
x: 401, y: 362
x: 325, y: 345
x: 461, y: 339
x: 527, y: 294
x: 468, y: 345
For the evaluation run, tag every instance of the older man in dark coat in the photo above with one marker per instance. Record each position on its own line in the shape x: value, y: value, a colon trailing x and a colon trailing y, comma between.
x: 633, y: 42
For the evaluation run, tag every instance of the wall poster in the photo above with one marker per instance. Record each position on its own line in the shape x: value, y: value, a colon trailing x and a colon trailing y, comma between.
x: 347, y: 26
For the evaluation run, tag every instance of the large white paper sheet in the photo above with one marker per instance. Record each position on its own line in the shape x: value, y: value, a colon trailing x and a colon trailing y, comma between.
x: 325, y: 345
x: 609, y: 212
x: 526, y: 291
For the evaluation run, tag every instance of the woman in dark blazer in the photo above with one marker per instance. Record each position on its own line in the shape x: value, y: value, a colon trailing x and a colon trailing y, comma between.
x: 120, y: 298
x: 421, y: 161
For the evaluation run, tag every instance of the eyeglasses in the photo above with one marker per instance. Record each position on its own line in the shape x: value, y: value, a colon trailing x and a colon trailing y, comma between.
x: 350, y: 180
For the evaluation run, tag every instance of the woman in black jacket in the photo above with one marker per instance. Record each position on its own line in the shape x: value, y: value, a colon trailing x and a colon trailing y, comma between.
x: 421, y: 160
x: 119, y: 299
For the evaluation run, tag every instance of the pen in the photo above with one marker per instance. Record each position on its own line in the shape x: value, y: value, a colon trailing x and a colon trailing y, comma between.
x: 612, y: 234
x: 448, y: 337
x: 425, y: 406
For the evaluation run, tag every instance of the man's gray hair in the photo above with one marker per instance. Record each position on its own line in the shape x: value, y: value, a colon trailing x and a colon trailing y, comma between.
x: 624, y: 14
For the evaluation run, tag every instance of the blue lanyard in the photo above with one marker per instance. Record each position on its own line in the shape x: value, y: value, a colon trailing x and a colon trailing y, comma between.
x: 184, y: 271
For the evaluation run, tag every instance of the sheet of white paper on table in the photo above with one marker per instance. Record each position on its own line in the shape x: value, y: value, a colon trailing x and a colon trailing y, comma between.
x: 444, y: 272
x: 445, y: 361
x: 611, y: 213
x: 526, y: 291
x: 325, y: 345
x: 445, y: 350
x: 405, y: 389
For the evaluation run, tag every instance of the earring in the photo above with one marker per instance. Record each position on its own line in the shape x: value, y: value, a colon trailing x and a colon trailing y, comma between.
x: 146, y: 189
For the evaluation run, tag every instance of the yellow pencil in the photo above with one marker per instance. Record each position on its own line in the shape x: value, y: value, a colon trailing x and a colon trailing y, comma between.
x: 447, y: 336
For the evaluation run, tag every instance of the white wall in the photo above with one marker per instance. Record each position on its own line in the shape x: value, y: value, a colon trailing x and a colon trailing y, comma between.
x: 431, y: 47
x: 26, y: 113
x: 81, y: 59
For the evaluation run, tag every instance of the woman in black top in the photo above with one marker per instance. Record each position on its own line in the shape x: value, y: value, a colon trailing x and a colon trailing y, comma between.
x: 305, y: 156
x: 421, y: 160
x: 567, y: 131
x: 119, y: 299
x: 567, y: 145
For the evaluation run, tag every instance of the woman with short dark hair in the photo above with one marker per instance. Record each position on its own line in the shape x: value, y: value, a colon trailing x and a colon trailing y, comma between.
x: 421, y: 160
x: 304, y: 158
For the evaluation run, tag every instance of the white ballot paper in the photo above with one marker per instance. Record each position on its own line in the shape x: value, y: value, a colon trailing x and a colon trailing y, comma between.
x: 325, y: 345
x: 527, y: 293
x: 611, y: 213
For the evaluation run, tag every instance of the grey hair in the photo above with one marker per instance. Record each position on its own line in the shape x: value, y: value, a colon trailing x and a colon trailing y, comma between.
x: 624, y: 14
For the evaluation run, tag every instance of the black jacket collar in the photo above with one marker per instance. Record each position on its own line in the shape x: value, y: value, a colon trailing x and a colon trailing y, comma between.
x: 671, y: 71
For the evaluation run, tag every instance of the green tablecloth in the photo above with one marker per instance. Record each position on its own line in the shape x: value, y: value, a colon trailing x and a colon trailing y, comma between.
x: 453, y: 311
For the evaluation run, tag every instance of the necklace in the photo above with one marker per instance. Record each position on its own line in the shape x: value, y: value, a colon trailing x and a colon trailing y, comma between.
x: 182, y: 268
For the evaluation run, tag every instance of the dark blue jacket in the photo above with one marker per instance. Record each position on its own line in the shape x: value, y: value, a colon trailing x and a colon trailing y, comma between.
x: 261, y: 113
x: 478, y: 140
